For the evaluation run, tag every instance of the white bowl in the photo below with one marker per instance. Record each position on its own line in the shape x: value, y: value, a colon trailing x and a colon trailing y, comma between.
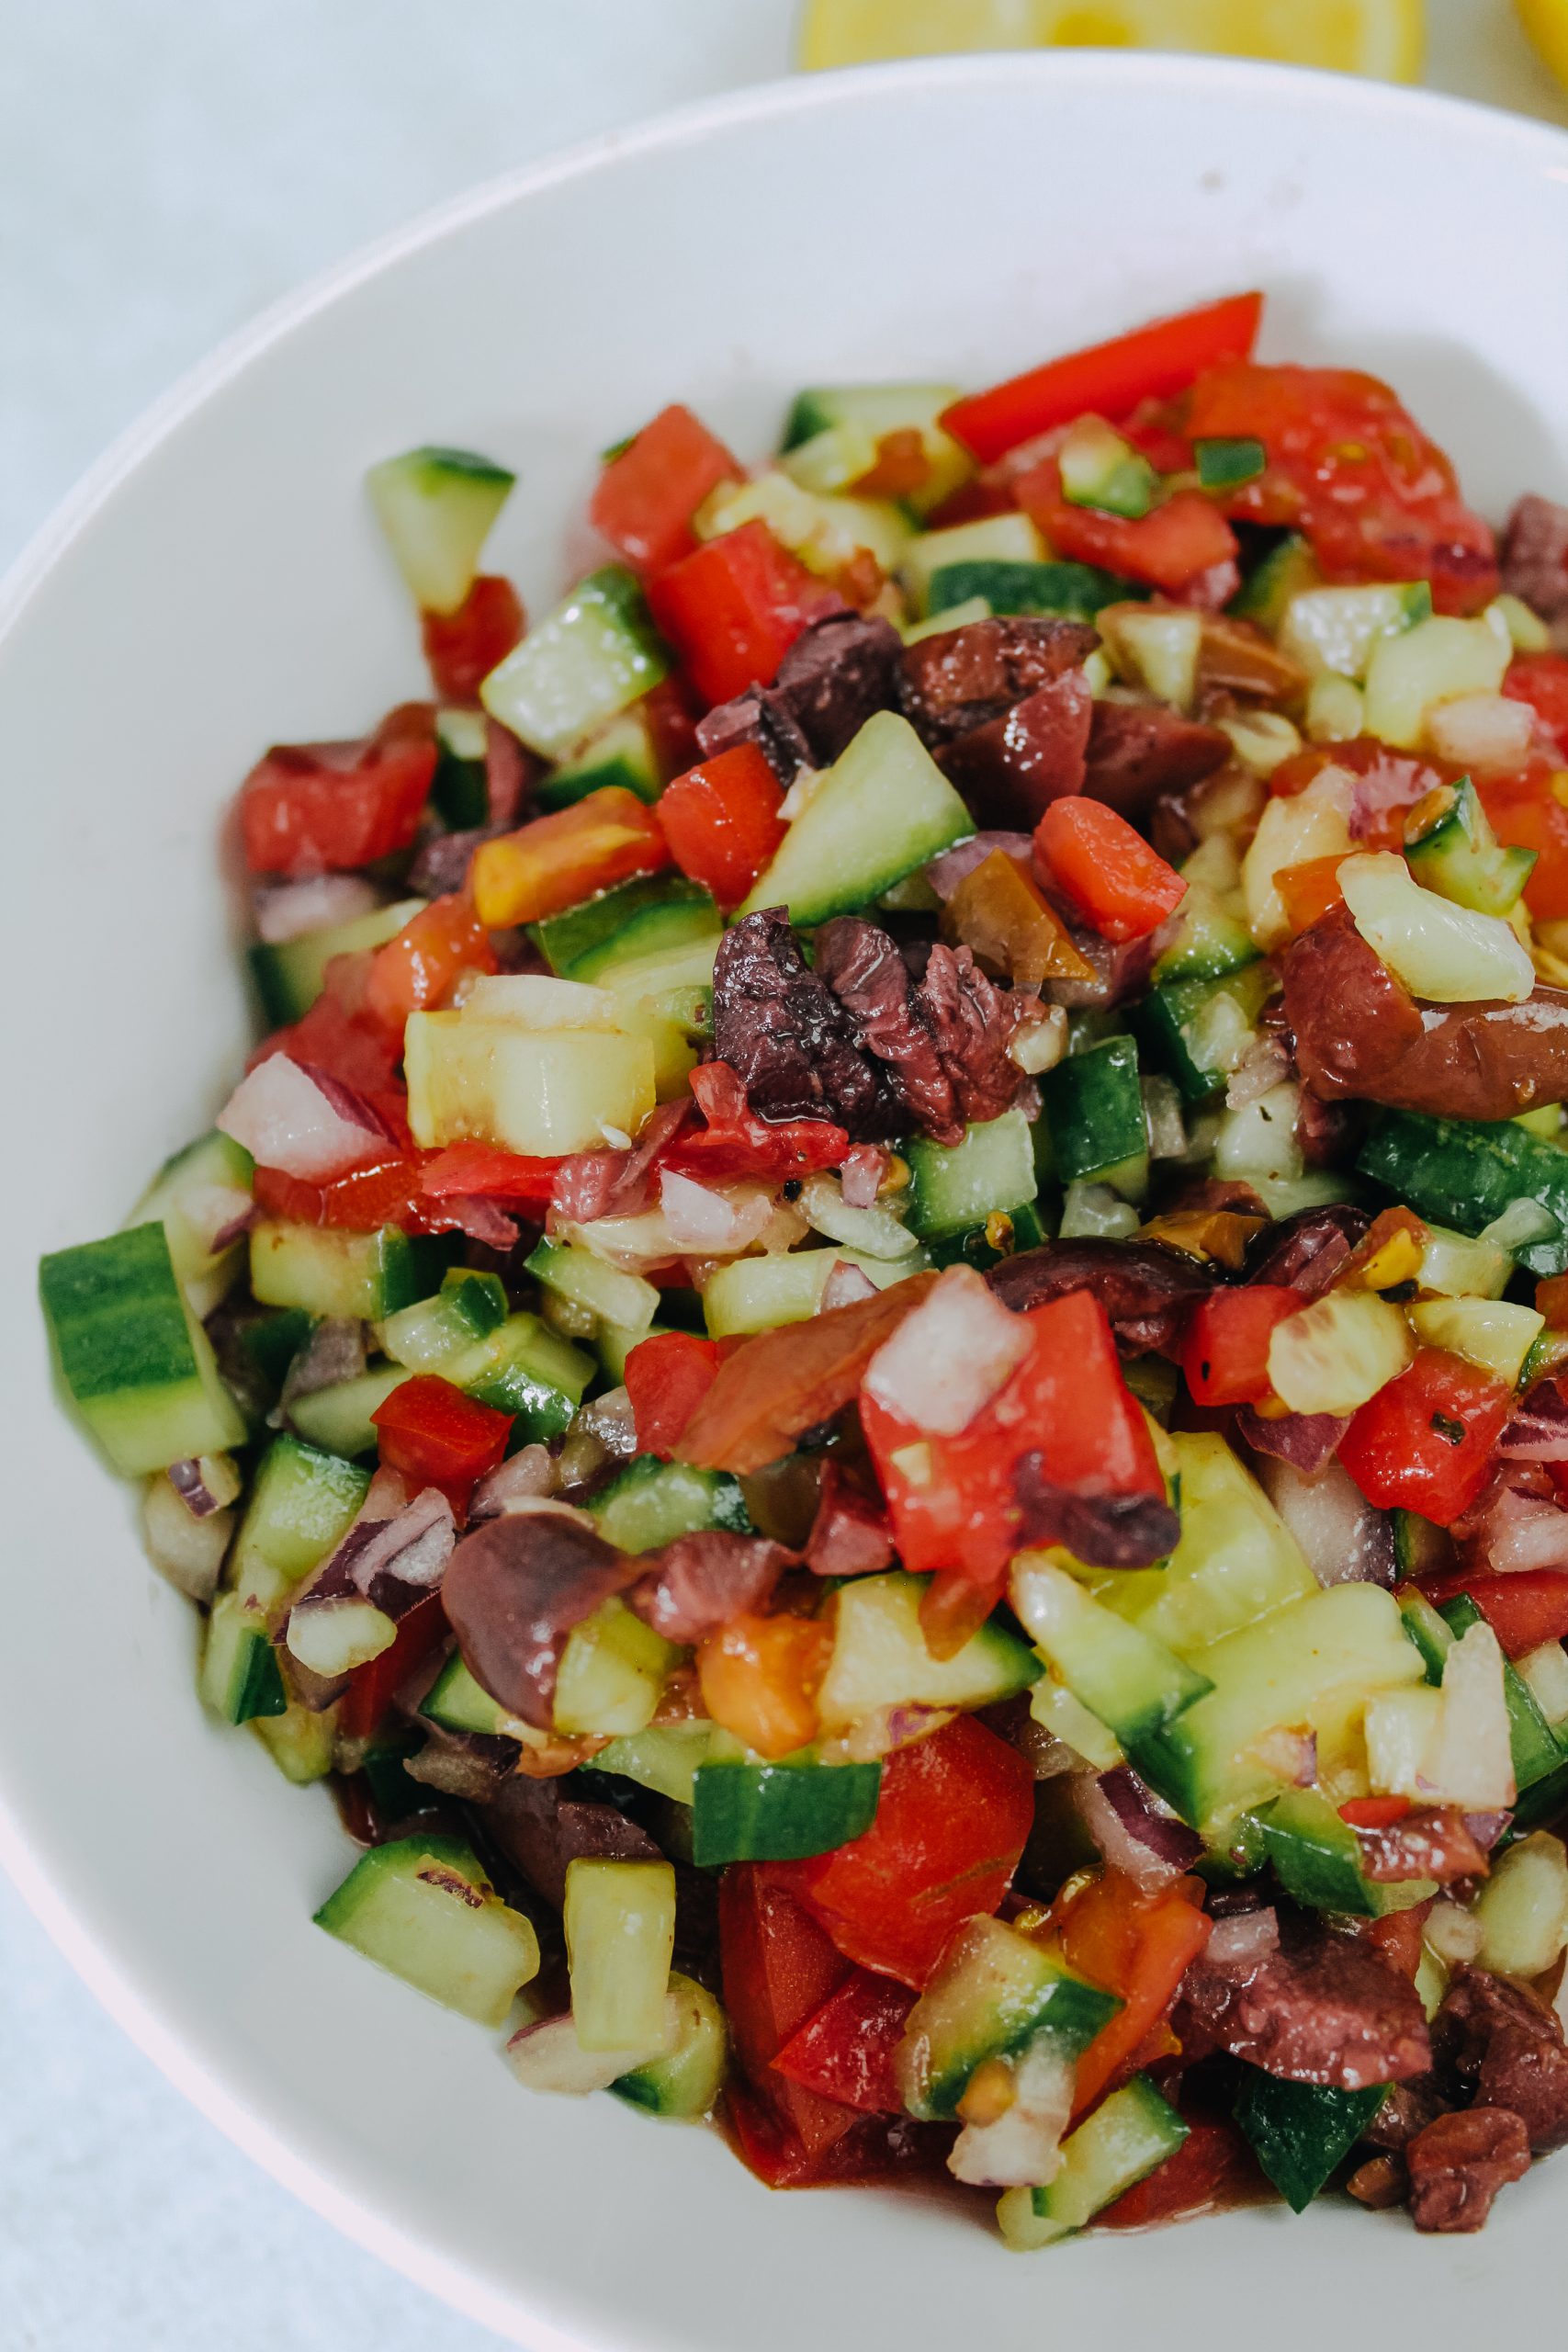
x: 218, y: 584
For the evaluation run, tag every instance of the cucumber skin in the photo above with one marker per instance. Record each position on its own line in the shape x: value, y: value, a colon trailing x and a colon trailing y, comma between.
x: 779, y: 1813
x: 1465, y: 1173
x: 1094, y: 1108
x: 1301, y: 2133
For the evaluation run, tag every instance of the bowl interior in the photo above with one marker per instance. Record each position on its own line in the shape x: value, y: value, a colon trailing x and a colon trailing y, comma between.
x: 224, y: 586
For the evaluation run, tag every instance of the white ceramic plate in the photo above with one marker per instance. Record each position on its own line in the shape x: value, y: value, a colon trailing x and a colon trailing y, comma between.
x: 219, y: 583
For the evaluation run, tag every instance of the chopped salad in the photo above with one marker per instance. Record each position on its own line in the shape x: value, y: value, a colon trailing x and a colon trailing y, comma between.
x: 877, y: 1356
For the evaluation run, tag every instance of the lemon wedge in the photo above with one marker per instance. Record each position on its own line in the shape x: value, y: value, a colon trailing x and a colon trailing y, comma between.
x: 1383, y: 37
x: 1546, y: 21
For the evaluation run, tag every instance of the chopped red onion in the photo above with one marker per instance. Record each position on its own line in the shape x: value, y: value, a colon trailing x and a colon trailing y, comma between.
x: 860, y: 1177
x: 846, y: 1285
x: 1486, y: 1827
x: 1151, y: 1846
x: 948, y: 1358
x: 954, y: 866
x: 298, y: 907
x: 591, y: 1184
x: 1291, y: 1755
x: 1539, y: 1431
x: 334, y: 1351
x: 611, y: 1420
x: 1344, y: 1539
x: 217, y: 1213
x: 1243, y: 1939
x: 302, y: 1122
x: 549, y: 2057
x: 481, y: 1220
x: 1521, y: 1531
x: 1308, y: 1442
x: 524, y: 1477
x: 1264, y: 1065
x: 507, y: 774
x: 703, y: 1221
x: 188, y: 1551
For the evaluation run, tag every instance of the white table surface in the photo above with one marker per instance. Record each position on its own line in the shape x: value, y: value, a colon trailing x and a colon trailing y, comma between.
x: 166, y: 169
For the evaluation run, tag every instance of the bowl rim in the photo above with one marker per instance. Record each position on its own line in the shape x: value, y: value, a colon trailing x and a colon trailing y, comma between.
x: 134, y: 2001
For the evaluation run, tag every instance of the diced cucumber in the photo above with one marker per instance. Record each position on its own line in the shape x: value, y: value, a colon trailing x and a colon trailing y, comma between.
x: 424, y: 1908
x: 622, y: 755
x: 1437, y: 948
x: 1199, y: 1029
x: 1135, y: 1685
x: 612, y: 1671
x: 434, y: 1332
x: 779, y: 1813
x: 458, y: 1702
x: 831, y: 440
x: 1332, y: 632
x: 181, y: 1198
x: 825, y: 531
x: 338, y: 1419
x: 882, y: 809
x: 529, y: 1371
x: 1286, y: 573
x: 1126, y: 2138
x: 1435, y: 662
x: 1466, y: 1173
x: 240, y: 1678
x: 1236, y: 1561
x: 758, y: 1294
x: 1075, y: 591
x: 650, y: 1503
x: 290, y: 976
x: 1301, y: 2132
x: 620, y: 1934
x: 1318, y: 1860
x: 1313, y: 1664
x: 302, y: 1503
x: 1209, y: 943
x: 299, y: 1741
x: 686, y: 2080
x: 1490, y: 1332
x: 538, y: 1092
x: 994, y: 1991
x: 1523, y: 1908
x: 460, y: 790
x: 655, y: 915
x: 1226, y: 465
x: 1457, y: 855
x: 995, y: 539
x: 580, y: 666
x: 1094, y: 1113
x: 880, y: 1658
x: 328, y: 1271
x: 1103, y: 471
x: 594, y: 1284
x: 436, y: 507
x: 1158, y: 649
x: 1536, y: 1749
x: 957, y: 1186
x: 140, y: 1368
x: 666, y: 1758
x: 943, y: 624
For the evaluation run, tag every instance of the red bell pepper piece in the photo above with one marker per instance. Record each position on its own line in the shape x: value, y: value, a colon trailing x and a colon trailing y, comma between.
x: 558, y: 861
x: 434, y: 1436
x: 1523, y: 1609
x: 845, y: 2050
x: 734, y: 608
x: 418, y: 968
x: 648, y: 493
x: 778, y: 1968
x: 326, y: 808
x: 1139, y: 1946
x: 482, y: 1170
x: 1225, y: 1354
x: 1374, y: 1812
x: 374, y: 1686
x: 955, y: 1812
x: 464, y: 647
x: 1349, y: 466
x: 1176, y: 546
x: 1528, y: 811
x: 722, y: 822
x: 1120, y: 887
x: 736, y: 1143
x: 951, y: 1499
x: 1213, y: 2170
x: 1424, y: 1443
x: 1109, y: 378
x: 667, y: 1377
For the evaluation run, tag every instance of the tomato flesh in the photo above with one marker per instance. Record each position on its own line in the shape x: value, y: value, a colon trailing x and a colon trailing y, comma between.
x: 1424, y: 1443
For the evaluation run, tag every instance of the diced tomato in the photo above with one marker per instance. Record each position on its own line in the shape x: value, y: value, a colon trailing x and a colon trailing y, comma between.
x: 902, y: 466
x: 1214, y: 2169
x: 464, y: 647
x: 1374, y: 1812
x: 873, y: 2148
x: 1109, y: 378
x: 667, y: 1377
x: 1388, y: 783
x: 1310, y: 891
x: 952, y: 1500
x: 347, y: 1044
x: 1349, y: 467
x: 558, y: 861
x: 1176, y: 546
x: 1523, y: 1609
x: 1120, y: 887
x: 648, y: 495
x: 1530, y: 811
x: 759, y: 1677
x: 954, y: 1812
x: 434, y: 1436
x: 778, y: 1968
x: 733, y: 609
x: 1541, y: 681
x: 373, y: 1686
x: 672, y: 726
x: 389, y: 1192
x: 734, y: 1143
x: 1424, y: 1443
x: 467, y: 1170
x: 1139, y: 1946
x: 1226, y: 1355
x: 326, y: 808
x: 844, y: 2050
x: 722, y: 822
x: 418, y: 968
